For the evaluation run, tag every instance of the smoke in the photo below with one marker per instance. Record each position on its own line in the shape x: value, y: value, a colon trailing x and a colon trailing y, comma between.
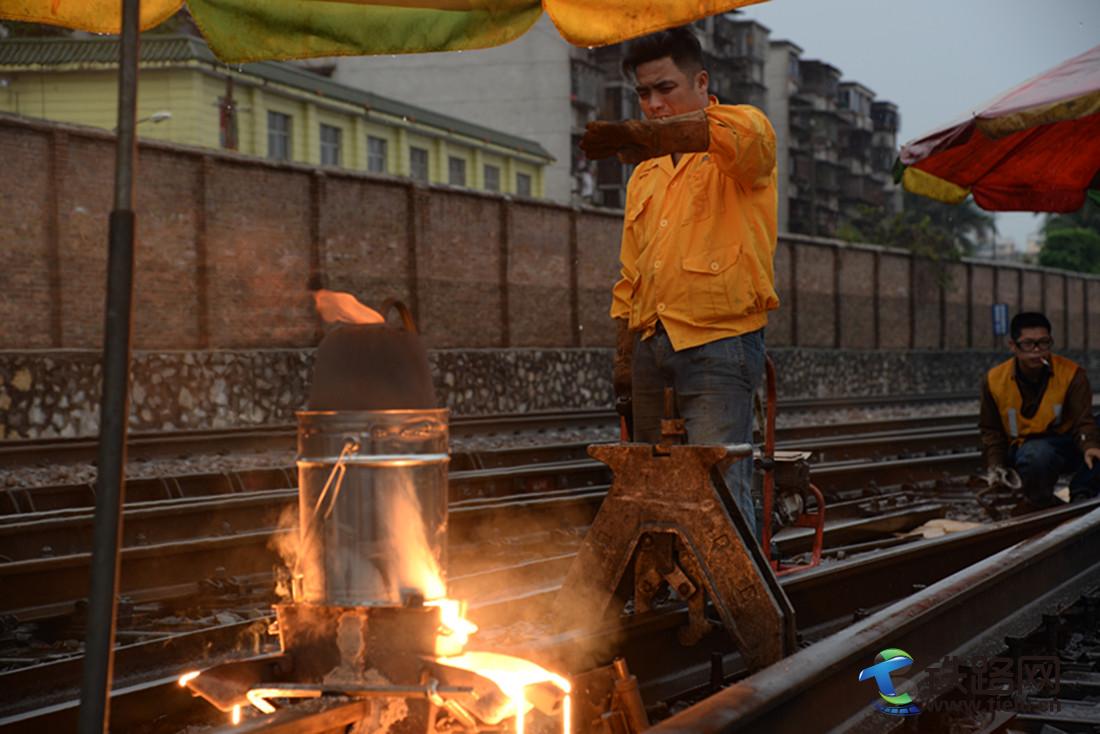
x: 286, y: 542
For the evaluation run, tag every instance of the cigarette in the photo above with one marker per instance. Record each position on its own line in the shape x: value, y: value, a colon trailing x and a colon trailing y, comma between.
x: 1044, y: 362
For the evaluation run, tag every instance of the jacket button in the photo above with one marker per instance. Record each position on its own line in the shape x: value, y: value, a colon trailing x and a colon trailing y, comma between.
x: 664, y: 222
x: 657, y: 265
x: 661, y: 307
x: 714, y: 266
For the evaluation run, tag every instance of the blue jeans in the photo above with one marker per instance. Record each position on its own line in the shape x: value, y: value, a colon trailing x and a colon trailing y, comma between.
x: 714, y: 385
x: 1040, y: 461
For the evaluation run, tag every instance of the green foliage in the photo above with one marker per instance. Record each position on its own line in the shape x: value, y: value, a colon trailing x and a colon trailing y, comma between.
x: 1073, y: 248
x: 965, y: 223
x: 1087, y: 217
x: 1072, y: 240
x: 925, y: 227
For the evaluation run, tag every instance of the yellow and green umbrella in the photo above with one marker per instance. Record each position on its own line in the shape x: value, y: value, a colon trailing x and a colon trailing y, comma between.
x: 253, y: 30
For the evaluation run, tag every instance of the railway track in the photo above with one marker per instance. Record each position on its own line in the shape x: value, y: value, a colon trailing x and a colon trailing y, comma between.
x: 147, y: 445
x: 215, y: 528
x: 160, y: 444
x: 831, y: 443
x: 906, y: 577
x: 232, y: 548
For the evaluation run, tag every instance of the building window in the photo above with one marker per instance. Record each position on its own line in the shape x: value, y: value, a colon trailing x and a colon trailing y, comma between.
x: 523, y: 184
x: 456, y: 171
x: 376, y: 154
x: 330, y: 145
x: 278, y: 136
x: 418, y: 163
x: 492, y: 178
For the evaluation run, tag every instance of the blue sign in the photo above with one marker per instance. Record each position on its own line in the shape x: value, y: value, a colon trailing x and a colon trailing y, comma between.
x: 1000, y: 319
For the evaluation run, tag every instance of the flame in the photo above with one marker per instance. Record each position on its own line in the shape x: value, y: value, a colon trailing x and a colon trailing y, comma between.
x: 188, y: 677
x: 334, y: 306
x: 415, y: 564
x: 454, y: 629
x: 513, y: 676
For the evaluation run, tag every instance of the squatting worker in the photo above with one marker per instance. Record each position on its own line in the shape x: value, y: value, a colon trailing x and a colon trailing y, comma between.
x: 698, y: 243
x: 1036, y: 416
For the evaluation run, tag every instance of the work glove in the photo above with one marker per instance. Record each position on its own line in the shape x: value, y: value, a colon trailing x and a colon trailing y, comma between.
x: 634, y: 141
x: 1003, y: 476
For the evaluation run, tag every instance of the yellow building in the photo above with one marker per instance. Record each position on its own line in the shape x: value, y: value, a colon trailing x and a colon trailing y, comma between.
x: 268, y: 109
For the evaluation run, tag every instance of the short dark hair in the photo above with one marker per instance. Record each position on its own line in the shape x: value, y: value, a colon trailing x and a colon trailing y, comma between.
x: 678, y: 43
x: 1028, y: 320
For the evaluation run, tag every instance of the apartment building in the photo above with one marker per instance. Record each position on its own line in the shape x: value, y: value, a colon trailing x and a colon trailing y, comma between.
x: 273, y: 110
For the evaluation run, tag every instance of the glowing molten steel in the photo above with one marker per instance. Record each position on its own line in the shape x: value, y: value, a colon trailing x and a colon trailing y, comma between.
x: 513, y: 676
x: 188, y: 677
x: 454, y: 630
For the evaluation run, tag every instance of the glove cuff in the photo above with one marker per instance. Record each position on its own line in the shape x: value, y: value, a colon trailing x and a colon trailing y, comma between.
x: 687, y: 133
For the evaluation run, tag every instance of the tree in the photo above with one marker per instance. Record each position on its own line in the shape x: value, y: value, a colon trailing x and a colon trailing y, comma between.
x: 1076, y: 248
x: 1071, y: 240
x: 1087, y: 217
x: 924, y: 226
x: 965, y: 223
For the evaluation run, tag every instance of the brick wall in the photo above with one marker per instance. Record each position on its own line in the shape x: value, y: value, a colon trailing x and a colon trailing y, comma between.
x: 227, y: 245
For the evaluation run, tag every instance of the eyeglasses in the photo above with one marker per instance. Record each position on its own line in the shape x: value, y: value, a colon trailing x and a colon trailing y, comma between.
x: 1034, y: 345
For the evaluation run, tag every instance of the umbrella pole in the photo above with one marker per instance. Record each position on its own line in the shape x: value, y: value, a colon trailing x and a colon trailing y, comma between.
x: 114, y: 405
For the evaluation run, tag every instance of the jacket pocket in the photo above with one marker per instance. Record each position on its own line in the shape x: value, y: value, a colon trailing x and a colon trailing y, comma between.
x: 715, y: 291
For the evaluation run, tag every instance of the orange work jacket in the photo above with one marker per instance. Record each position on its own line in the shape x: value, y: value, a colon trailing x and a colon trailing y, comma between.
x: 699, y: 238
x: 1048, y: 418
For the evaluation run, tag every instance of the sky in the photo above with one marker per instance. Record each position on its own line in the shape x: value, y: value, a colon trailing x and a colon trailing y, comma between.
x: 937, y: 59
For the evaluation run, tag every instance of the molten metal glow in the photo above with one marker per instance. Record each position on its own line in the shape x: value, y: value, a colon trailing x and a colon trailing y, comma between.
x: 188, y: 677
x: 334, y: 306
x: 454, y: 628
x: 235, y: 717
x: 258, y: 696
x: 513, y: 676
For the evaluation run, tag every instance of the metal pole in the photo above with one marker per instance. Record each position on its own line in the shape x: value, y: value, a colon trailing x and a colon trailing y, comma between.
x: 114, y: 405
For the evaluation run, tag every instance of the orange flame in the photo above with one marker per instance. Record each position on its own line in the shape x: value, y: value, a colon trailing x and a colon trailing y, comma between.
x: 513, y: 676
x: 454, y: 629
x: 337, y: 307
x: 188, y: 677
x: 414, y: 563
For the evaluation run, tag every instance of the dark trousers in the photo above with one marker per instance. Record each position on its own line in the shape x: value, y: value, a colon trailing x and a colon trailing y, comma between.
x: 714, y: 386
x: 1040, y: 461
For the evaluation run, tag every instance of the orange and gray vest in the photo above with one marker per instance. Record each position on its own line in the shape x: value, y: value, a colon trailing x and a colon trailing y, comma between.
x: 1048, y: 417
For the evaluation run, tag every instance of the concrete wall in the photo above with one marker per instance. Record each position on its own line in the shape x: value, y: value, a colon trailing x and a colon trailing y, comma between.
x: 227, y: 245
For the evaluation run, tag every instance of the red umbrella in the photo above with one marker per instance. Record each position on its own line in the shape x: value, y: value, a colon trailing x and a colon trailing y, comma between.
x: 1034, y: 148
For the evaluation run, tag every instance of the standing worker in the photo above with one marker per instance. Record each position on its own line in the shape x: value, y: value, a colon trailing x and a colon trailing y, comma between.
x: 697, y: 254
x: 1036, y: 417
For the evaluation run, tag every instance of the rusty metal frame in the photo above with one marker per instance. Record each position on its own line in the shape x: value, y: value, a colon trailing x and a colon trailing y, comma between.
x: 670, y: 491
